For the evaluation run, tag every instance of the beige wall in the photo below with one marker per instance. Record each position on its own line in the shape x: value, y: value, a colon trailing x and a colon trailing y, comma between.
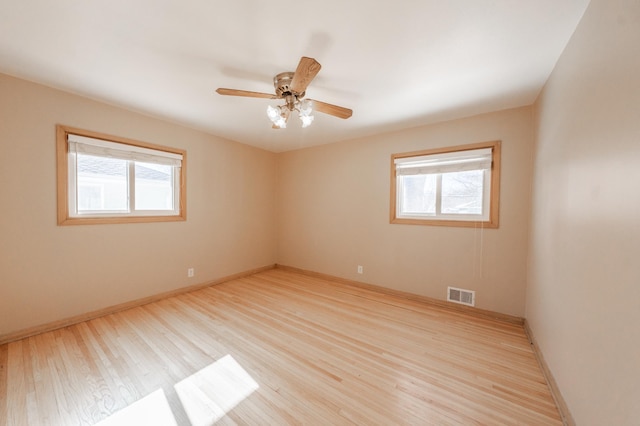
x: 334, y: 215
x: 48, y: 272
x: 583, y: 296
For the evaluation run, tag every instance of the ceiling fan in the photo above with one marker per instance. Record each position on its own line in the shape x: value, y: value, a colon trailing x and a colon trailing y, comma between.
x: 291, y: 87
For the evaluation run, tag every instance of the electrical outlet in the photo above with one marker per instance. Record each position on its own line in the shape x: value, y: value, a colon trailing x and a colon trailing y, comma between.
x: 360, y: 269
x: 191, y: 272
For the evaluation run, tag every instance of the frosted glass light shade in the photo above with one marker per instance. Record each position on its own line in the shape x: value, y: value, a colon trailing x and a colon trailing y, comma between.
x: 306, y: 120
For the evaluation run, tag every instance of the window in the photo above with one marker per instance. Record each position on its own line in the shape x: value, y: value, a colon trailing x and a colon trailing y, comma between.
x: 456, y: 186
x: 107, y: 179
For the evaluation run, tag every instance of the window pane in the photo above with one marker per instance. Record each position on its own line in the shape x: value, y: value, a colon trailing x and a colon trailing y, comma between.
x: 462, y: 192
x: 154, y: 186
x: 418, y: 194
x: 102, y: 184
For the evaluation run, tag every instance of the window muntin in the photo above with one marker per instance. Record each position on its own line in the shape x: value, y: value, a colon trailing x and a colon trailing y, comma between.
x: 105, y: 179
x: 456, y: 186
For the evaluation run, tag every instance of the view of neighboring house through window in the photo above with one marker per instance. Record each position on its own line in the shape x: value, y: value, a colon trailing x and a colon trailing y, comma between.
x: 112, y: 179
x: 456, y: 186
x: 103, y: 185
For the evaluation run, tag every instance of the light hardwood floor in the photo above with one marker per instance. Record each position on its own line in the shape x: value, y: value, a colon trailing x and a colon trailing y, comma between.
x: 277, y: 347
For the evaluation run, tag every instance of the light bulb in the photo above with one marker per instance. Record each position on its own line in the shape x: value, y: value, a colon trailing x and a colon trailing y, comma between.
x: 305, y: 107
x: 306, y: 120
x: 273, y: 113
x: 280, y: 122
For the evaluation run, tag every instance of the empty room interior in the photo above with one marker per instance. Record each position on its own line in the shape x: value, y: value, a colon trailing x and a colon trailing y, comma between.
x: 320, y: 213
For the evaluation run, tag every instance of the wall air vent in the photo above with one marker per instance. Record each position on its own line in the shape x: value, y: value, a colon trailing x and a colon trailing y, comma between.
x: 459, y: 295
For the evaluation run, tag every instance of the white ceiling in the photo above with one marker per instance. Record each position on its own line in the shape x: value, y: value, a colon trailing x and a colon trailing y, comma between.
x: 397, y: 64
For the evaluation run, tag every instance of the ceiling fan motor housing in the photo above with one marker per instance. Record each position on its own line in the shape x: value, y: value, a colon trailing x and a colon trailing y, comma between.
x: 281, y: 82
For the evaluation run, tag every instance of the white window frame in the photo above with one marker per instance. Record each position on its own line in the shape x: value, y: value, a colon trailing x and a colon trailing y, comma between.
x: 71, y: 142
x: 481, y: 156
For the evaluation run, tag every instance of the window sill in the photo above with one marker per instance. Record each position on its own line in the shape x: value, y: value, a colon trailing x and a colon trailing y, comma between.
x: 445, y: 222
x: 111, y: 220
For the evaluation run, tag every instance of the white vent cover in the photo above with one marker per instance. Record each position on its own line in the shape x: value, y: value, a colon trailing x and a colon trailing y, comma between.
x: 462, y: 296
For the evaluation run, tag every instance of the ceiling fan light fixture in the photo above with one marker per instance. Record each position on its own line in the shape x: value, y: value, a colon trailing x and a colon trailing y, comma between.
x: 273, y: 112
x: 306, y: 120
x: 291, y: 87
x: 305, y: 107
x: 277, y: 116
x: 280, y: 123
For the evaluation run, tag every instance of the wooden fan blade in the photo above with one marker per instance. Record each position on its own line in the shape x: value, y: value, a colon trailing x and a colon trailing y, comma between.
x: 307, y: 69
x: 246, y: 93
x: 336, y: 111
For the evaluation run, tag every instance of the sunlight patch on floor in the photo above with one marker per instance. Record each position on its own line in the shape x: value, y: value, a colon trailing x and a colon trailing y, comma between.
x: 153, y: 409
x: 215, y: 390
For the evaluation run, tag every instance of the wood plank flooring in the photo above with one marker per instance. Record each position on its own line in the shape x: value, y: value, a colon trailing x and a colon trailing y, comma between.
x: 277, y: 348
